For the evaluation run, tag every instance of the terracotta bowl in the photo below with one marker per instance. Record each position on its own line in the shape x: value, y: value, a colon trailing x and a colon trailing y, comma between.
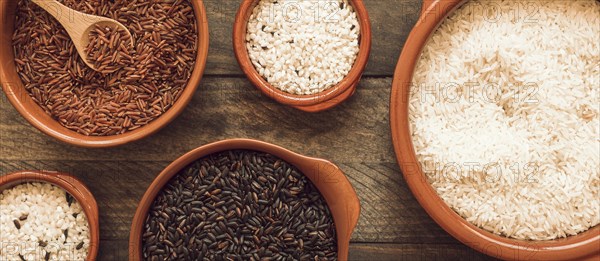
x: 310, y: 103
x: 18, y: 96
x: 582, y: 246
x: 327, y: 177
x: 70, y: 184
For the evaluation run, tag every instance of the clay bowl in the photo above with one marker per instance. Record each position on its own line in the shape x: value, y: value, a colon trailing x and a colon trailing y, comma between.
x: 582, y: 246
x: 70, y: 184
x: 327, y: 178
x: 309, y: 103
x: 18, y: 96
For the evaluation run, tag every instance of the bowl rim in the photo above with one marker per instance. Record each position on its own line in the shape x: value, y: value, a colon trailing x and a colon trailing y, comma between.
x: 583, y: 245
x: 341, y: 198
x: 326, y: 98
x: 73, y: 186
x: 14, y: 89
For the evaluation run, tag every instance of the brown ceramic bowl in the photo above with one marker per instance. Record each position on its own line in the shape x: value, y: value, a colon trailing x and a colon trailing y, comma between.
x: 582, y: 246
x: 18, y: 96
x: 310, y: 103
x: 70, y: 184
x: 327, y: 177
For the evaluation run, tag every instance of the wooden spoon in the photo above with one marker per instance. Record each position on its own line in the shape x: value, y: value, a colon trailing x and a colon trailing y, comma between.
x: 78, y: 25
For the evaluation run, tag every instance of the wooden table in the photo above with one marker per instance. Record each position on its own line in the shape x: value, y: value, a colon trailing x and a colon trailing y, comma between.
x: 355, y: 135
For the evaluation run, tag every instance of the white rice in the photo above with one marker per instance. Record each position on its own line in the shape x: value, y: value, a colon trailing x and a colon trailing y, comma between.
x: 48, y: 215
x: 303, y: 46
x: 505, y: 116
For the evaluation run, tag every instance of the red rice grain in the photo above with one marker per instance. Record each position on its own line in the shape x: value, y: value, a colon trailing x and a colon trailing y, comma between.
x: 134, y: 86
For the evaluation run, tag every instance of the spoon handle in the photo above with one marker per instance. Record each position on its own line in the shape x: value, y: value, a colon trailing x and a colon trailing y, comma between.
x: 77, y: 24
x: 67, y: 17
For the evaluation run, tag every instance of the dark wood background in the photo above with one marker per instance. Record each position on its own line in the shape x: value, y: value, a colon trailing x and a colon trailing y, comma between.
x: 355, y: 135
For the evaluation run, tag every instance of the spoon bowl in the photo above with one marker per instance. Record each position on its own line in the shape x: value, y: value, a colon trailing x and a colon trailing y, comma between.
x: 79, y: 25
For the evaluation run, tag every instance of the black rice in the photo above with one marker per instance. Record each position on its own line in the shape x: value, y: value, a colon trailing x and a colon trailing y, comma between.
x: 239, y: 205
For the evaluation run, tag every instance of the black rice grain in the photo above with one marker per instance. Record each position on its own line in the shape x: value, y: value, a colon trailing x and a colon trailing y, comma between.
x: 239, y: 205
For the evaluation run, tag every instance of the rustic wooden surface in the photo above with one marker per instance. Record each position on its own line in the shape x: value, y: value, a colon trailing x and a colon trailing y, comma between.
x: 355, y: 135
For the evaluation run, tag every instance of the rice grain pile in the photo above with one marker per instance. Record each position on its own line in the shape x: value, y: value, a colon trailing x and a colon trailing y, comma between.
x: 40, y: 221
x: 109, y: 49
x: 108, y: 102
x: 504, y: 116
x: 300, y: 50
x: 239, y: 205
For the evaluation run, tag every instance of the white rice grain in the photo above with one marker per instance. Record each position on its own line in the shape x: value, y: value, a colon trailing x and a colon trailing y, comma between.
x: 47, y: 215
x: 303, y: 46
x: 505, y: 116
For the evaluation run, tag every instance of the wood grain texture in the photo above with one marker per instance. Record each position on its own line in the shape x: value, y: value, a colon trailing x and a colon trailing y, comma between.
x: 117, y: 250
x: 358, y: 130
x: 391, y: 22
x: 401, y: 252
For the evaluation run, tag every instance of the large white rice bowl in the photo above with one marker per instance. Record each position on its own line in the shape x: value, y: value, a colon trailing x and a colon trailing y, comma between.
x: 504, y: 113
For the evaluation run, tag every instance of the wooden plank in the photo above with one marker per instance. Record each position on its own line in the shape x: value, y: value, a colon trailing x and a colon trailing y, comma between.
x: 391, y: 22
x: 400, y: 252
x: 113, y: 250
x: 357, y: 130
x: 117, y: 250
x: 389, y: 213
